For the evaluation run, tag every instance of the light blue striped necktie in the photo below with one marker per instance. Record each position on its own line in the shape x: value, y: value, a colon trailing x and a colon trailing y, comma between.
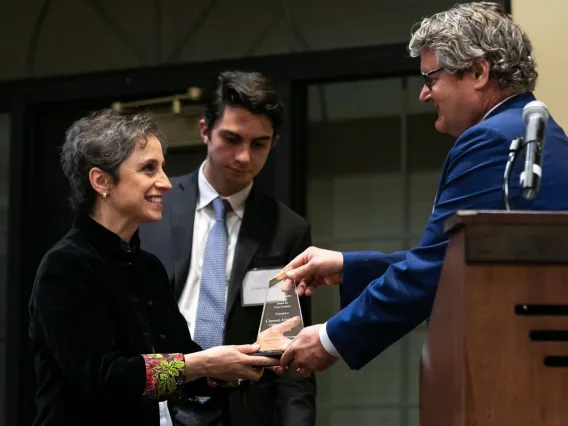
x: 210, y: 321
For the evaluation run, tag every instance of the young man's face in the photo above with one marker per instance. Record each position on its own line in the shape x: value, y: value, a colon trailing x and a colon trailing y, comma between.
x: 237, y: 148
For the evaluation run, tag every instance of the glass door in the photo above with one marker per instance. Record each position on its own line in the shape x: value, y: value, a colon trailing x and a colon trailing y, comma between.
x: 373, y: 164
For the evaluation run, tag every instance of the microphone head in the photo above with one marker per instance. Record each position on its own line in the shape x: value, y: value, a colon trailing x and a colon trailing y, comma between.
x: 535, y: 108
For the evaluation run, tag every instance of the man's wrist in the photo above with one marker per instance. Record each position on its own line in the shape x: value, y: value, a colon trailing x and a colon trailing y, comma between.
x: 326, y: 341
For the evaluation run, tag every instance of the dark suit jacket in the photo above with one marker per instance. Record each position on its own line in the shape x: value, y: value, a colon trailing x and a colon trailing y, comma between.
x: 97, y: 305
x: 270, y: 236
x: 386, y: 296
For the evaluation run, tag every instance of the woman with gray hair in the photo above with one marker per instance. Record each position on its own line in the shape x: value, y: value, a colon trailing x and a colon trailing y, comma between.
x: 109, y: 342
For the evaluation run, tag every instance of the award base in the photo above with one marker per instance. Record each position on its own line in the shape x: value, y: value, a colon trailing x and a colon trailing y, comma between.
x: 269, y: 354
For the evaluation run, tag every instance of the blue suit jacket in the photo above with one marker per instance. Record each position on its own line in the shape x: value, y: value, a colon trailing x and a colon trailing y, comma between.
x: 385, y: 296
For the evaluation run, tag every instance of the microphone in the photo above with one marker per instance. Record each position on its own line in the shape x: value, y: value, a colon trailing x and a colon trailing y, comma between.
x: 535, y: 115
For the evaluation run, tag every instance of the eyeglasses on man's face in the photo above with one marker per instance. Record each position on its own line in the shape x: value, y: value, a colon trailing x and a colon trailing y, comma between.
x: 426, y: 77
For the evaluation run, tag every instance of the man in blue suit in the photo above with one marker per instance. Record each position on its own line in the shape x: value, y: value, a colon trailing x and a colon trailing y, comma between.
x: 478, y: 74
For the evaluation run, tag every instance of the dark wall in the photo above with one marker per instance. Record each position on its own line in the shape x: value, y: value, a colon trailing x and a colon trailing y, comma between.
x: 44, y: 217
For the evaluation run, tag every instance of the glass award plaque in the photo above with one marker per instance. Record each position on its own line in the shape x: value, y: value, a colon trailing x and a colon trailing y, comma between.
x: 281, y: 319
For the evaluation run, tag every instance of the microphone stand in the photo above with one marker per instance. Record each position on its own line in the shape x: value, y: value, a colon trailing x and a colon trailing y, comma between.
x: 513, y: 155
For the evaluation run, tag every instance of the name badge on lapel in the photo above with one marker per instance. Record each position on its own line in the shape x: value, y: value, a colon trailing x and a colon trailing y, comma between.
x: 255, y: 285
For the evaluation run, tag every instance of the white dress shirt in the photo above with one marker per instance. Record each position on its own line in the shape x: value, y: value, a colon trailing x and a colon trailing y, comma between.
x: 202, y: 224
x: 323, y: 336
x: 498, y: 105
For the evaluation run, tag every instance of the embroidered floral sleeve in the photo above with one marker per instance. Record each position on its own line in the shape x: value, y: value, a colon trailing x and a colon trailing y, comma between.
x: 165, y: 376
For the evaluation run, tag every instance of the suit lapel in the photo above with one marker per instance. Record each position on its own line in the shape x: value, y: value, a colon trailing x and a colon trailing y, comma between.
x: 184, y: 200
x: 250, y: 236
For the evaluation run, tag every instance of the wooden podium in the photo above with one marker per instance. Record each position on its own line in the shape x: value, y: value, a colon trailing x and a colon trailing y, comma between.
x: 496, y: 352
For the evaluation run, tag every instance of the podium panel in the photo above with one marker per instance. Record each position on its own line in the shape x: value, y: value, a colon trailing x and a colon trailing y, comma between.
x: 496, y: 351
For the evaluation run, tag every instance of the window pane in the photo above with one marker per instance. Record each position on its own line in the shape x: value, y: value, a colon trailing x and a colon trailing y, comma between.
x: 427, y: 150
x: 377, y: 416
x: 352, y: 207
x: 413, y: 417
x: 355, y: 200
x: 354, y: 186
x: 354, y: 203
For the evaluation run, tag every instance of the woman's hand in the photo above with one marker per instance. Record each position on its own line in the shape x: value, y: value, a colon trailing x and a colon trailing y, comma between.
x: 227, y: 363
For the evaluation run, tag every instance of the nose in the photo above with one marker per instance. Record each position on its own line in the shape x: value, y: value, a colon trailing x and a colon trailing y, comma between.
x: 163, y: 182
x: 424, y: 94
x: 243, y: 154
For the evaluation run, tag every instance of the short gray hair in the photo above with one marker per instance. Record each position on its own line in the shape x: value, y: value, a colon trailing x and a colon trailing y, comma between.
x: 470, y: 31
x: 104, y: 139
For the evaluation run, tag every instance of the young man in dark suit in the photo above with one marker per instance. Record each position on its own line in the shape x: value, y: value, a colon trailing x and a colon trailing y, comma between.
x: 220, y: 237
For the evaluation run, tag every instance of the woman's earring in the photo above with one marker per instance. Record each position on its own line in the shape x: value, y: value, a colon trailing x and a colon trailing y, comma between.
x: 104, y: 194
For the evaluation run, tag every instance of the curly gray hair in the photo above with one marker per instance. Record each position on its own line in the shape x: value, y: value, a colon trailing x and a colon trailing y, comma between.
x: 470, y: 31
x: 104, y: 139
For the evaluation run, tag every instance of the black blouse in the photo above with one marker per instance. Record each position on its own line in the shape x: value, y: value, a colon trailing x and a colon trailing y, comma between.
x: 107, y: 336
